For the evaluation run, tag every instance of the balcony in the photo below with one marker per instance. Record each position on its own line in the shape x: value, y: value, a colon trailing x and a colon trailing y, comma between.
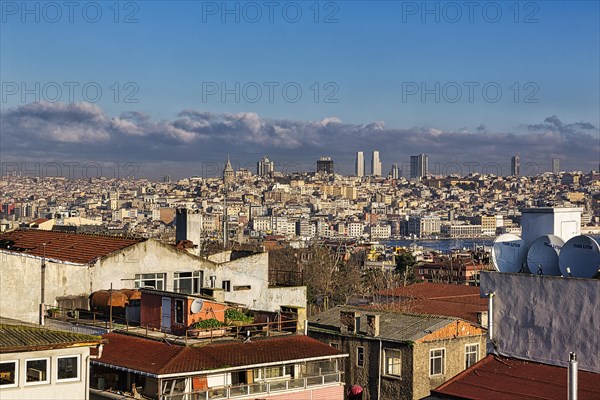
x: 265, y: 388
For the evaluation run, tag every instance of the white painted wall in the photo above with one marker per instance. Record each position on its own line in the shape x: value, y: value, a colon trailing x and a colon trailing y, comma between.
x: 543, y: 318
x: 20, y: 278
x: 75, y: 390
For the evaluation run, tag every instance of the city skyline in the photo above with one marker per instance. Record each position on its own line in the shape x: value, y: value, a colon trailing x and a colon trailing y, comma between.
x: 54, y: 133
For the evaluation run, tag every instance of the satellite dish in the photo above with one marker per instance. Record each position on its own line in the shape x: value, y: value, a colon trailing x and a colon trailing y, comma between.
x: 196, y: 306
x: 580, y: 257
x: 542, y: 257
x: 509, y: 253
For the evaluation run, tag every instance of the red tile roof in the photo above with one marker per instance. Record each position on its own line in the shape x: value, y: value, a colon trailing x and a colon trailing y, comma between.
x: 158, y: 358
x: 63, y: 246
x: 460, y: 301
x: 428, y: 290
x: 497, y: 377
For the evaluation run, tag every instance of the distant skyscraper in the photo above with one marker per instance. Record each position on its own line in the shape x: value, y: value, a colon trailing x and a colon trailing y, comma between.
x: 325, y: 164
x: 555, y: 165
x: 264, y: 166
x: 375, y: 164
x: 395, y: 173
x: 515, y: 165
x: 419, y: 165
x: 228, y: 173
x: 359, y: 165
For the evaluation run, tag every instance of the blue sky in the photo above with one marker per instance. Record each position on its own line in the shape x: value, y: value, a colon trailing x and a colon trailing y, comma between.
x: 369, y: 63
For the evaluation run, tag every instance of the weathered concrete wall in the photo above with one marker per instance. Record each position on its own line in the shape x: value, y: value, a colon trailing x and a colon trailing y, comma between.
x: 20, y: 278
x: 75, y: 390
x: 543, y: 318
x: 455, y: 361
x: 392, y: 388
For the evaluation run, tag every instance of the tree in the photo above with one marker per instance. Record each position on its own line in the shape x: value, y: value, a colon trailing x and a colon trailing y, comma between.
x: 405, y: 264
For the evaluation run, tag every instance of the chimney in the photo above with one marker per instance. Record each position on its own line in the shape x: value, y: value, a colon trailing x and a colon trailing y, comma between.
x: 373, y: 325
x: 349, y: 321
x: 572, y: 377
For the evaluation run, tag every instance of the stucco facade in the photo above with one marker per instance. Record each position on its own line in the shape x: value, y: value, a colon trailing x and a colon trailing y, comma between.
x: 20, y: 277
x: 72, y: 389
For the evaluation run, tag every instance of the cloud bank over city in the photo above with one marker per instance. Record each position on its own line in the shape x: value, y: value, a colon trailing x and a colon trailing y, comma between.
x: 60, y: 132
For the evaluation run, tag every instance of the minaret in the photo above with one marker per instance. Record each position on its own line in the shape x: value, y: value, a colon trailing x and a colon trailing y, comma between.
x: 228, y: 174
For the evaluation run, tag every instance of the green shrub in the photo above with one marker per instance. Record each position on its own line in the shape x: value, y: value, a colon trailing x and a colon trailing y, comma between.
x: 233, y: 314
x: 207, y: 323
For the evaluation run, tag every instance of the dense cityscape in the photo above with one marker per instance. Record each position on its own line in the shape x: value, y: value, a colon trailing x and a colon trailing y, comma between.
x: 299, y: 200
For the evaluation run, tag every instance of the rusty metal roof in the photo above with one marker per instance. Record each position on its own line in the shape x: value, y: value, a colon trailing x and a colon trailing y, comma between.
x: 63, y: 246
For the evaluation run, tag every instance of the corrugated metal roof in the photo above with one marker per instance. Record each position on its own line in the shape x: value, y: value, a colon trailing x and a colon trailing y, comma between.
x: 16, y: 338
x: 498, y: 377
x: 392, y: 326
x: 157, y: 358
x: 63, y: 246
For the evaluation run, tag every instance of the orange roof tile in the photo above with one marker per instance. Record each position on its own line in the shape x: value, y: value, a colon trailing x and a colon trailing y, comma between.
x: 158, y: 358
x: 498, y: 377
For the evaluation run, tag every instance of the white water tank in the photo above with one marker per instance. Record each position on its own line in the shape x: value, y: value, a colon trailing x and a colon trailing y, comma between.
x: 562, y: 222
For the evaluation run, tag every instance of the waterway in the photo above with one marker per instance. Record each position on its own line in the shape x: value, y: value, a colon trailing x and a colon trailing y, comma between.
x: 446, y: 245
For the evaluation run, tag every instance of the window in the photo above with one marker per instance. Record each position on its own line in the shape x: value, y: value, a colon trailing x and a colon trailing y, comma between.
x: 154, y: 281
x: 36, y: 370
x: 471, y: 354
x: 9, y: 374
x: 274, y: 372
x: 179, y: 311
x: 67, y: 368
x: 242, y: 287
x: 360, y: 356
x: 227, y: 286
x: 437, y: 358
x: 188, y: 282
x: 393, y: 362
x: 335, y: 345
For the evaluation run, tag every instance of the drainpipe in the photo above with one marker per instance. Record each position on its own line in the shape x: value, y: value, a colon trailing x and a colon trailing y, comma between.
x: 379, y: 369
x: 572, y: 377
x: 88, y: 366
x: 491, y: 315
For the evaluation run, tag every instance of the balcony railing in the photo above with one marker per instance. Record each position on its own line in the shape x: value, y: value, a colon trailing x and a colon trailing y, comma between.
x: 262, y: 388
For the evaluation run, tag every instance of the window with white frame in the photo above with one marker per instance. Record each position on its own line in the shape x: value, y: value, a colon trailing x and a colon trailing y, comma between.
x: 36, y: 371
x: 360, y: 356
x: 274, y: 372
x: 471, y: 354
x: 154, y: 281
x: 393, y: 362
x: 187, y: 282
x: 437, y: 359
x: 179, y: 311
x: 68, y: 368
x: 9, y: 374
